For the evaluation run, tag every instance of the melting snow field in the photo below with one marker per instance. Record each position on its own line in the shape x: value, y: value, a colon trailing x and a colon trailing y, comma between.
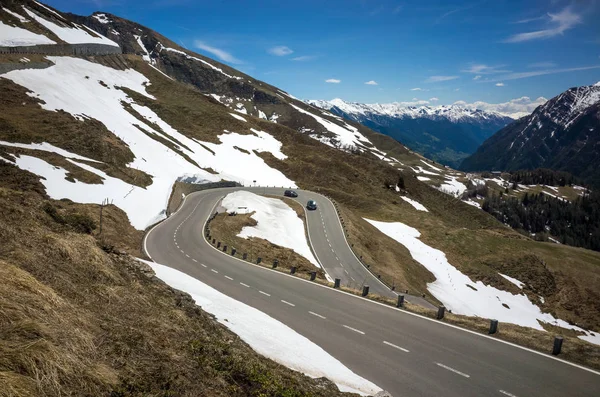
x: 266, y: 335
x: 418, y: 206
x: 276, y: 222
x: 11, y: 36
x: 464, y: 296
x: 65, y: 86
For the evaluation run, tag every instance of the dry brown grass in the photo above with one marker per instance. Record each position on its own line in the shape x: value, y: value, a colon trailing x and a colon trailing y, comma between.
x: 77, y: 321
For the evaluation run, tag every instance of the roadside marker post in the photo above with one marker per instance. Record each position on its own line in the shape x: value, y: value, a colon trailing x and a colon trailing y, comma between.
x: 440, y: 313
x: 336, y: 283
x: 558, y: 341
x: 365, y: 290
x: 400, y: 301
x: 493, y: 326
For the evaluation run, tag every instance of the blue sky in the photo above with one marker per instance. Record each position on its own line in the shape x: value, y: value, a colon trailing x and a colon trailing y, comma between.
x: 491, y: 51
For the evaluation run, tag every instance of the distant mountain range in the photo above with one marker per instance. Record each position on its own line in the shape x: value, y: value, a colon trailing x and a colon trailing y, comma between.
x: 563, y: 134
x: 447, y: 134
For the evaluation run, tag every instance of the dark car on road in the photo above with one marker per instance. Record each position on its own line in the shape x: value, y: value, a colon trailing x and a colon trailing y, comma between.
x: 290, y: 193
x: 311, y: 205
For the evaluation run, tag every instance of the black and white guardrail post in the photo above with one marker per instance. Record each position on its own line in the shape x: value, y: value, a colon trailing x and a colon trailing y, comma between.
x: 440, y: 313
x: 218, y: 244
x: 493, y: 326
x: 558, y: 341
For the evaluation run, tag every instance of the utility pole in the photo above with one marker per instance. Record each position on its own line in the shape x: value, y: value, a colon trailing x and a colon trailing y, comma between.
x: 105, y: 202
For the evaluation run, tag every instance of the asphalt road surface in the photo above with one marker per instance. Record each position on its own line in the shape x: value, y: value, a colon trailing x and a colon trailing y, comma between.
x: 402, y: 353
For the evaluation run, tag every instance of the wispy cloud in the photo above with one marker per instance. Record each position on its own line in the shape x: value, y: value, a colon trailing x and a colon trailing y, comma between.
x: 561, y: 22
x: 546, y: 65
x: 437, y: 79
x: 533, y: 73
x: 219, y: 53
x: 434, y: 99
x: 304, y: 58
x: 458, y: 9
x: 371, y: 82
x: 333, y: 81
x: 527, y: 20
x: 417, y: 89
x: 499, y: 84
x: 477, y: 77
x: 478, y: 68
x: 280, y: 50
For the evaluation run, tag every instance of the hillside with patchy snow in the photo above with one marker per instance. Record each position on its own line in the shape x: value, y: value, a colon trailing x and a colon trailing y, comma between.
x: 563, y: 135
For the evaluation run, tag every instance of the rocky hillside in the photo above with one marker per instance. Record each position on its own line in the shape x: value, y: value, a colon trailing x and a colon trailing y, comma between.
x: 446, y: 134
x: 563, y: 134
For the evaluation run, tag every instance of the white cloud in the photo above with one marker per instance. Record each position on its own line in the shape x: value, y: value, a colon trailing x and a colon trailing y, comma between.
x: 457, y: 89
x: 499, y: 84
x: 415, y: 99
x: 484, y: 69
x: 546, y: 65
x: 414, y: 102
x: 304, y: 58
x: 434, y: 99
x: 371, y: 82
x: 541, y: 72
x: 219, y: 53
x: 477, y: 77
x: 333, y: 81
x: 562, y: 21
x: 418, y: 89
x: 437, y: 79
x: 514, y: 108
x: 280, y: 50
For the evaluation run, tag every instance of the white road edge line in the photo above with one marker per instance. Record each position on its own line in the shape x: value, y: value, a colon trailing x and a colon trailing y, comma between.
x: 245, y: 285
x: 353, y: 329
x: 396, y: 347
x: 318, y: 315
x: 288, y: 303
x: 506, y: 393
x: 453, y: 370
x: 228, y: 278
x: 548, y: 356
x: 264, y: 293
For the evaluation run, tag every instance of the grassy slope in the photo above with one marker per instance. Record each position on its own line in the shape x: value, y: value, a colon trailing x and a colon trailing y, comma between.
x: 77, y: 320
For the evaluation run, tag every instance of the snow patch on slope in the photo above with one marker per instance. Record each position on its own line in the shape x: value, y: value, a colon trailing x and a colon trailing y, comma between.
x: 418, y: 206
x: 275, y: 222
x: 20, y: 17
x: 71, y: 35
x: 64, y: 87
x: 12, y: 36
x: 459, y: 293
x: 266, y: 335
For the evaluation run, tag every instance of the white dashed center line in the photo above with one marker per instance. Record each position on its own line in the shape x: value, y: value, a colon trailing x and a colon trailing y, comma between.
x: 264, y: 293
x: 187, y: 255
x: 288, y: 303
x: 395, y: 346
x: 214, y: 271
x: 507, y: 393
x: 453, y: 370
x: 228, y: 278
x: 353, y: 329
x: 245, y: 285
x: 203, y: 265
x: 194, y: 260
x: 318, y: 315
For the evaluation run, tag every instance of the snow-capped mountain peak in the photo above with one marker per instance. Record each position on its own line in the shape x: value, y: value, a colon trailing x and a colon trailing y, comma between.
x: 454, y: 113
